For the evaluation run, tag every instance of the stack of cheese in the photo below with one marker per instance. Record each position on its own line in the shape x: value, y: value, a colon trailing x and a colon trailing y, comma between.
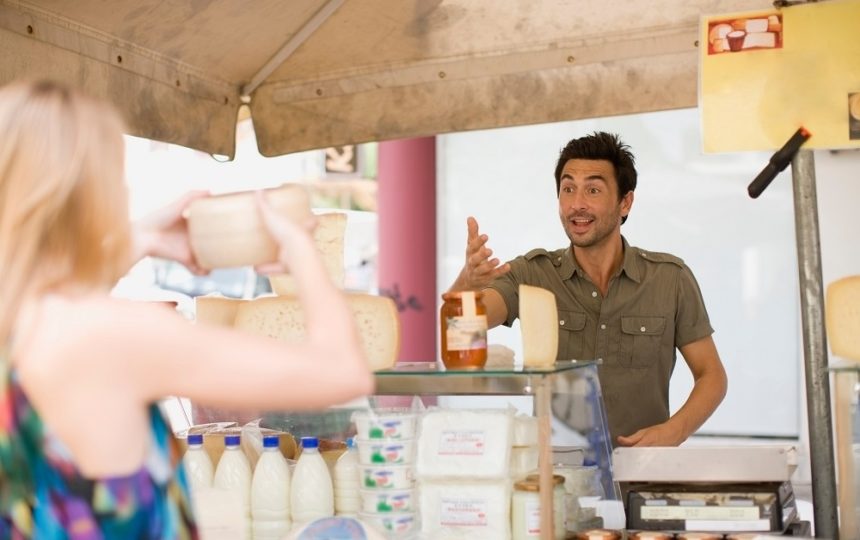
x: 462, y: 466
x: 281, y: 316
x: 524, y: 450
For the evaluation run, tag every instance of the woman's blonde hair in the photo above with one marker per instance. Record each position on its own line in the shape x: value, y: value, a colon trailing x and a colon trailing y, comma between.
x: 63, y: 201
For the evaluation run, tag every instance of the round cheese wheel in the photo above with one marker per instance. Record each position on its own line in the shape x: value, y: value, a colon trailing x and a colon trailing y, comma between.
x: 227, y: 230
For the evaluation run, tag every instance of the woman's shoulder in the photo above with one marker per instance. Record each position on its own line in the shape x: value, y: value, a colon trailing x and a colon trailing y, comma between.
x: 72, y: 332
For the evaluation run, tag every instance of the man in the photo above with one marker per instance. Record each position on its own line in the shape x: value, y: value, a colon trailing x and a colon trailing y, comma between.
x: 630, y: 307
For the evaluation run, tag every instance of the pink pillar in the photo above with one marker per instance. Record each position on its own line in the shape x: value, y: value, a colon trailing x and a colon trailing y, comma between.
x: 407, y: 241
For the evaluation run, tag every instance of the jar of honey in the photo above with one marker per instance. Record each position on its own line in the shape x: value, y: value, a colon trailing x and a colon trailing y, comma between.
x: 464, y: 330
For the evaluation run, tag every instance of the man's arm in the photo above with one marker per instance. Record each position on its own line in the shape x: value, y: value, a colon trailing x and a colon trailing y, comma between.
x: 709, y: 389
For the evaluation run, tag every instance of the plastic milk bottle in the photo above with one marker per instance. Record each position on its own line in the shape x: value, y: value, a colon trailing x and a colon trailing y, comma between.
x: 311, y: 492
x: 233, y: 474
x: 270, y: 493
x: 347, y: 498
x: 197, y: 464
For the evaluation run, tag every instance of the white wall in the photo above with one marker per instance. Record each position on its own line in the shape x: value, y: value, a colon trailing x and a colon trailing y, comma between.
x: 742, y: 251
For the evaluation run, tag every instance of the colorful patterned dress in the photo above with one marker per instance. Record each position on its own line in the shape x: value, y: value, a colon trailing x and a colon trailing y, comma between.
x: 43, y: 496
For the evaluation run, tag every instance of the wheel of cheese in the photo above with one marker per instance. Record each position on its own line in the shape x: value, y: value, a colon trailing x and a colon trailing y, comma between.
x: 328, y: 237
x: 539, y: 326
x: 842, y: 317
x: 227, y: 230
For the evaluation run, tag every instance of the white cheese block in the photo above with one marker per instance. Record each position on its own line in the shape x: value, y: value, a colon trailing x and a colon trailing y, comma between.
x: 216, y: 309
x: 539, y: 326
x: 525, y: 430
x: 227, y: 230
x: 464, y: 443
x: 282, y: 318
x: 842, y: 317
x: 465, y: 509
x: 524, y: 461
x: 760, y: 39
x: 328, y: 237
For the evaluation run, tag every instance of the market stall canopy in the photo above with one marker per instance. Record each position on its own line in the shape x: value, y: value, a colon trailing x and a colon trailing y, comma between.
x: 319, y: 73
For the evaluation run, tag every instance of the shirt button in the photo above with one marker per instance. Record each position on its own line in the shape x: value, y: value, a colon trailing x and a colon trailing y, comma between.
x: 594, y: 294
x: 603, y: 327
x: 561, y: 323
x: 642, y: 329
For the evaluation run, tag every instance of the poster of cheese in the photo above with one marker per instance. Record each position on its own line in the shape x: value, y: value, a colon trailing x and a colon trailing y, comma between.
x: 764, y: 74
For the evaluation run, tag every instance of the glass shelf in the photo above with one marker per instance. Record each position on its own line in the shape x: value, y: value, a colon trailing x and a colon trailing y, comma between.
x: 412, y: 378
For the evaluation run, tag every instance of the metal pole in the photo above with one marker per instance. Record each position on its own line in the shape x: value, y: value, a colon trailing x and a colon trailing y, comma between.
x: 814, y: 346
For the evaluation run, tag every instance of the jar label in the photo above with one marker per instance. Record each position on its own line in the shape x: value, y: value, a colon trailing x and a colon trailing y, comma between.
x: 466, y: 333
x: 533, y: 518
x: 462, y: 443
x: 463, y: 513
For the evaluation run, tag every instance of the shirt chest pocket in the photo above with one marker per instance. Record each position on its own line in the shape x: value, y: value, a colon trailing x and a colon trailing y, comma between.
x: 641, y: 340
x: 571, y: 332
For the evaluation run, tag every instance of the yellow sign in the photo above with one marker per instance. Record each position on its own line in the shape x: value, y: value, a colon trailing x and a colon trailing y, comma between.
x: 764, y: 74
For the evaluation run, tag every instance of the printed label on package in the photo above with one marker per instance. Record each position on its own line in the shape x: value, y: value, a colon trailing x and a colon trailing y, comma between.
x: 462, y: 443
x: 463, y: 513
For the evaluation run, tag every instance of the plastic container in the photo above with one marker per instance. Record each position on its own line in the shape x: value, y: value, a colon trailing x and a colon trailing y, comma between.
x: 197, y: 464
x: 390, y: 523
x: 386, y: 476
x: 311, y: 490
x: 388, y: 501
x: 372, y: 452
x: 233, y: 474
x: 385, y: 424
x: 347, y: 498
x: 464, y: 330
x: 270, y: 493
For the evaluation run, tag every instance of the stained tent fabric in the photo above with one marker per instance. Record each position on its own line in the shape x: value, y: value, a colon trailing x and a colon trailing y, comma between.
x: 318, y: 73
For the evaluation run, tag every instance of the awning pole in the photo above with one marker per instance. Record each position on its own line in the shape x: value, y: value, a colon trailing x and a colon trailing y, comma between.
x: 814, y: 346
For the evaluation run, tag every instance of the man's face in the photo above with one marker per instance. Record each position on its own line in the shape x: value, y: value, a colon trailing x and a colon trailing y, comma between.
x: 588, y: 202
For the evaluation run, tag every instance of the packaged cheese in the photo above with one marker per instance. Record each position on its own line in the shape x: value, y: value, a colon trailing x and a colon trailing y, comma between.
x: 842, y: 317
x: 460, y: 443
x: 328, y: 237
x: 525, y: 430
x: 466, y: 509
x: 539, y: 326
x: 227, y: 230
x: 216, y: 309
x: 282, y: 318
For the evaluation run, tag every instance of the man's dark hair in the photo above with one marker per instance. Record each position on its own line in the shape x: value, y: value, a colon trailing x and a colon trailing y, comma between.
x: 605, y: 146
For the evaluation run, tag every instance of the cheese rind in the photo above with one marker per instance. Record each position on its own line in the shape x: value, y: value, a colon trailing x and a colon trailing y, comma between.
x: 376, y: 319
x: 227, y: 230
x: 328, y: 237
x: 842, y: 317
x: 539, y: 326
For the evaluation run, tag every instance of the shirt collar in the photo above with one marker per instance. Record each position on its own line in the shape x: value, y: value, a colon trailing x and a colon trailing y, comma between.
x: 629, y: 266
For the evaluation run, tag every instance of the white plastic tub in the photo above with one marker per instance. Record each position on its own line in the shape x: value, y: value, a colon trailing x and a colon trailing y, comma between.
x: 386, y: 424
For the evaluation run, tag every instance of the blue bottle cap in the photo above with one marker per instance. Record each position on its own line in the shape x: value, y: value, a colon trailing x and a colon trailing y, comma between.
x: 271, y: 441
x: 350, y: 443
x: 231, y: 440
x: 310, y: 442
x: 195, y: 439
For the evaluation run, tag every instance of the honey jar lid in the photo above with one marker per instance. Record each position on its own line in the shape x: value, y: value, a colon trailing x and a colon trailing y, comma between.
x: 532, y: 482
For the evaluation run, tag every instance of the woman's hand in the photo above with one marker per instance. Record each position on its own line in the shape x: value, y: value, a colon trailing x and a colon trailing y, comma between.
x: 294, y: 239
x: 164, y: 233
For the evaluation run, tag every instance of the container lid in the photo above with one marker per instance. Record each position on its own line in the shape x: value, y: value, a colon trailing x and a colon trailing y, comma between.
x: 197, y: 438
x: 532, y: 482
x: 231, y: 440
x: 598, y: 534
x: 456, y: 295
x: 310, y: 442
x: 271, y: 441
x: 350, y: 443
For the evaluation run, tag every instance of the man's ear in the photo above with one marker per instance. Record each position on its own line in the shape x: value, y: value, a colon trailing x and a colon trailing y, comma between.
x: 626, y: 203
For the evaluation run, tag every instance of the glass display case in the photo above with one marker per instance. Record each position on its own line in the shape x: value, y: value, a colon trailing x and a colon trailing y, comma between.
x: 845, y: 386
x: 565, y: 399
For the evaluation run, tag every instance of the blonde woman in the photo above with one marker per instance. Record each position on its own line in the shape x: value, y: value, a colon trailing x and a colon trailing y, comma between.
x: 84, y: 452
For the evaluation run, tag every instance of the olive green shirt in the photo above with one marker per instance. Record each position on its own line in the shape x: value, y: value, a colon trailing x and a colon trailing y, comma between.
x: 652, y: 307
